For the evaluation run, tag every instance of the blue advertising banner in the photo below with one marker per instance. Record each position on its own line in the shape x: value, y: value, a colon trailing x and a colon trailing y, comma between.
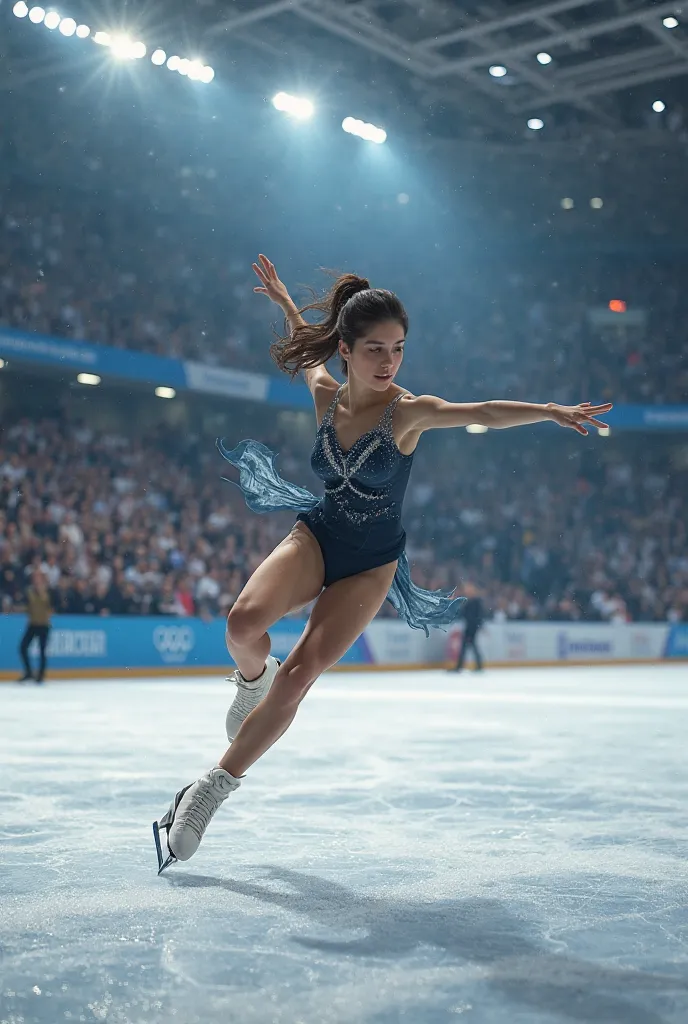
x: 648, y: 417
x: 130, y: 643
x: 677, y: 641
x: 101, y: 359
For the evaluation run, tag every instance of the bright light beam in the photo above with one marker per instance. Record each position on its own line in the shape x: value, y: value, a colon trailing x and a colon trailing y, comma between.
x: 297, y: 106
x: 369, y: 132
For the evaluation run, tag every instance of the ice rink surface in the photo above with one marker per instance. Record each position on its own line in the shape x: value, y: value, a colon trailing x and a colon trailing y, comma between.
x: 419, y: 848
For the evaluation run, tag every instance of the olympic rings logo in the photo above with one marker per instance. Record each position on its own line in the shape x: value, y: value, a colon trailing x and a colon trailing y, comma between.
x: 174, y: 640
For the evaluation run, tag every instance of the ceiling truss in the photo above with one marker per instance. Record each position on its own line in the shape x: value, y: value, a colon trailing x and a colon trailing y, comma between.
x: 449, y: 45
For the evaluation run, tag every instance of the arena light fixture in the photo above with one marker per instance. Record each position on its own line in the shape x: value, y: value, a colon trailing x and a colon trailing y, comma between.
x: 476, y: 428
x: 195, y: 70
x: 567, y: 203
x: 535, y: 123
x: 183, y: 66
x: 369, y: 132
x: 158, y: 57
x: 297, y: 106
x: 52, y: 20
x: 207, y: 74
x: 20, y: 10
x: 83, y: 31
x: 68, y: 26
x: 173, y: 62
x: 102, y: 38
x: 36, y: 15
x: 88, y: 378
x: 137, y: 50
x: 658, y: 106
x: 544, y: 58
x: 670, y: 22
x: 498, y: 71
x: 596, y: 203
x: 165, y: 392
x: 3, y: 364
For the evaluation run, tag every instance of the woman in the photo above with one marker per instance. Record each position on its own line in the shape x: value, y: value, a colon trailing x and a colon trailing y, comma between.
x: 345, y: 551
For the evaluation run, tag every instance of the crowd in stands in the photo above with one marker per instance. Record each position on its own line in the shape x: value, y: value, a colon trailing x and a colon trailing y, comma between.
x: 106, y: 275
x: 546, y: 526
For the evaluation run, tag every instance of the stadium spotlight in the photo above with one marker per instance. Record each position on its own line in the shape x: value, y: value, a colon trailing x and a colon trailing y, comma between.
x: 369, y: 132
x: 102, y: 38
x: 173, y: 62
x: 3, y: 364
x: 596, y: 203
x: 476, y: 428
x: 122, y: 47
x: 535, y: 123
x: 544, y: 58
x: 88, y: 378
x: 498, y: 71
x: 195, y: 70
x: 68, y: 26
x: 165, y: 392
x: 83, y: 31
x: 207, y: 74
x: 183, y: 66
x: 52, y: 20
x: 137, y: 50
x: 36, y: 15
x: 658, y: 106
x: 670, y: 22
x: 294, y: 105
x: 20, y: 10
x: 567, y: 204
x: 158, y: 57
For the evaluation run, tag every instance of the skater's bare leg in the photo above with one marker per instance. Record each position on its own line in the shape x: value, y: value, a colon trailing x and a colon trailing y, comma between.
x: 340, y: 615
x: 290, y: 577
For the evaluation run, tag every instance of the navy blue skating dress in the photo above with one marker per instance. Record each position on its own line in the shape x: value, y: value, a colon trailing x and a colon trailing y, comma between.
x: 357, y: 522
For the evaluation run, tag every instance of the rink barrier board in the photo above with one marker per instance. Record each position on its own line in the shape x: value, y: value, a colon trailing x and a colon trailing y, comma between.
x: 221, y: 670
x: 89, y: 646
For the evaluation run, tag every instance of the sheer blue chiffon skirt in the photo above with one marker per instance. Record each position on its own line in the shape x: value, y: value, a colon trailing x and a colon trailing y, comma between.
x: 264, y: 490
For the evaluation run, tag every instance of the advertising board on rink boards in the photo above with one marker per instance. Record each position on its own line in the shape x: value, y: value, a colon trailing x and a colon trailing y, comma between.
x: 88, y: 645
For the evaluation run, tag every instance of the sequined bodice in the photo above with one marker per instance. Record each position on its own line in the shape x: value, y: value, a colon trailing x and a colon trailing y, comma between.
x: 366, y: 484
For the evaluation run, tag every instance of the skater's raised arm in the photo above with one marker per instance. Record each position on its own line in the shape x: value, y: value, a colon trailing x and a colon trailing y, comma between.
x: 285, y: 350
x: 427, y: 412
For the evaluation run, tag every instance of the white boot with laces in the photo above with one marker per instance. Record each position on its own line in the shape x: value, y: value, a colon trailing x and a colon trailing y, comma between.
x: 249, y: 695
x: 190, y: 814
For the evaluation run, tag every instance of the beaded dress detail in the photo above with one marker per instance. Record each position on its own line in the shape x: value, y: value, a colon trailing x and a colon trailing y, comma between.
x: 358, y: 520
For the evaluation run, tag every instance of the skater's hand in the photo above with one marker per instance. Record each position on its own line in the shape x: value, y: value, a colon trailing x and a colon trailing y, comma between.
x: 272, y: 286
x: 576, y: 415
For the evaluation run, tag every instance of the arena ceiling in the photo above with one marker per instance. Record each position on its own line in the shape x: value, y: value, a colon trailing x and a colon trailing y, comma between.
x: 603, y: 52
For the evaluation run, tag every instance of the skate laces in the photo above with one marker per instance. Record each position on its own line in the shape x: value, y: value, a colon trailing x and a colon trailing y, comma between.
x: 206, y: 801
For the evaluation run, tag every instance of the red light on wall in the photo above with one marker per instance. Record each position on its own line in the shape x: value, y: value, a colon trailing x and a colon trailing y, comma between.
x: 617, y: 306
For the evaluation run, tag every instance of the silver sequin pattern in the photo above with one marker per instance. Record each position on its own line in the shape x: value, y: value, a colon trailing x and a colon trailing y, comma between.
x: 380, y: 436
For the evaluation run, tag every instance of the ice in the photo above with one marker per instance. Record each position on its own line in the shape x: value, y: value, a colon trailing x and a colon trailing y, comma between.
x: 420, y: 847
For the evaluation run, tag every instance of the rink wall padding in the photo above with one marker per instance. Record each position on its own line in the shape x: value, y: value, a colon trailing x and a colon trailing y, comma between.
x: 108, y: 646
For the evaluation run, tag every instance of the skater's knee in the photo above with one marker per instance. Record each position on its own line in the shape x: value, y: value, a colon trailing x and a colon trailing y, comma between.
x: 292, y: 683
x: 244, y: 624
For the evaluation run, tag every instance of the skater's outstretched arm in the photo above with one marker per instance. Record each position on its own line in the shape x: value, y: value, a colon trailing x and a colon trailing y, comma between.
x: 317, y: 377
x: 427, y: 412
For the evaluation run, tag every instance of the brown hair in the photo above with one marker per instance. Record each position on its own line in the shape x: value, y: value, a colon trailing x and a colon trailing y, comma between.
x: 350, y: 308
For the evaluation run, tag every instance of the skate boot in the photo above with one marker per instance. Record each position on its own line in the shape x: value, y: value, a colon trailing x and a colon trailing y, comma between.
x: 249, y: 695
x: 189, y: 816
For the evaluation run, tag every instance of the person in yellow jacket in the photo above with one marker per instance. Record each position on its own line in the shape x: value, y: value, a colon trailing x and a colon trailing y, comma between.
x: 39, y: 610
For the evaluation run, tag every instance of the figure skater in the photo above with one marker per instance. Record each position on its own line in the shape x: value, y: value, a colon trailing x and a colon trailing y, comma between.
x: 346, y: 550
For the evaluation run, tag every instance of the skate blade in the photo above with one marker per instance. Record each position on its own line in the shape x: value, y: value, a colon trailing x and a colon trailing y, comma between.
x: 162, y: 861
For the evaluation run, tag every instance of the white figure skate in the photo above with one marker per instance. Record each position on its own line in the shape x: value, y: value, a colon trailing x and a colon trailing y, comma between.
x: 189, y: 816
x: 249, y: 695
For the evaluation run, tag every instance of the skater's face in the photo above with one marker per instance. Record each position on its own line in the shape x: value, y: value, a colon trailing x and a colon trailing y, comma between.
x: 375, y: 357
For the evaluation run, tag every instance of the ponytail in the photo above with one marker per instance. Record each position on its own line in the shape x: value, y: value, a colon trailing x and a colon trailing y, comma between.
x: 311, y: 345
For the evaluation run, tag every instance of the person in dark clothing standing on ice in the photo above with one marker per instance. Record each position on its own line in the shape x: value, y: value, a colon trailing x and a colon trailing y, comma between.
x: 39, y: 609
x: 473, y: 614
